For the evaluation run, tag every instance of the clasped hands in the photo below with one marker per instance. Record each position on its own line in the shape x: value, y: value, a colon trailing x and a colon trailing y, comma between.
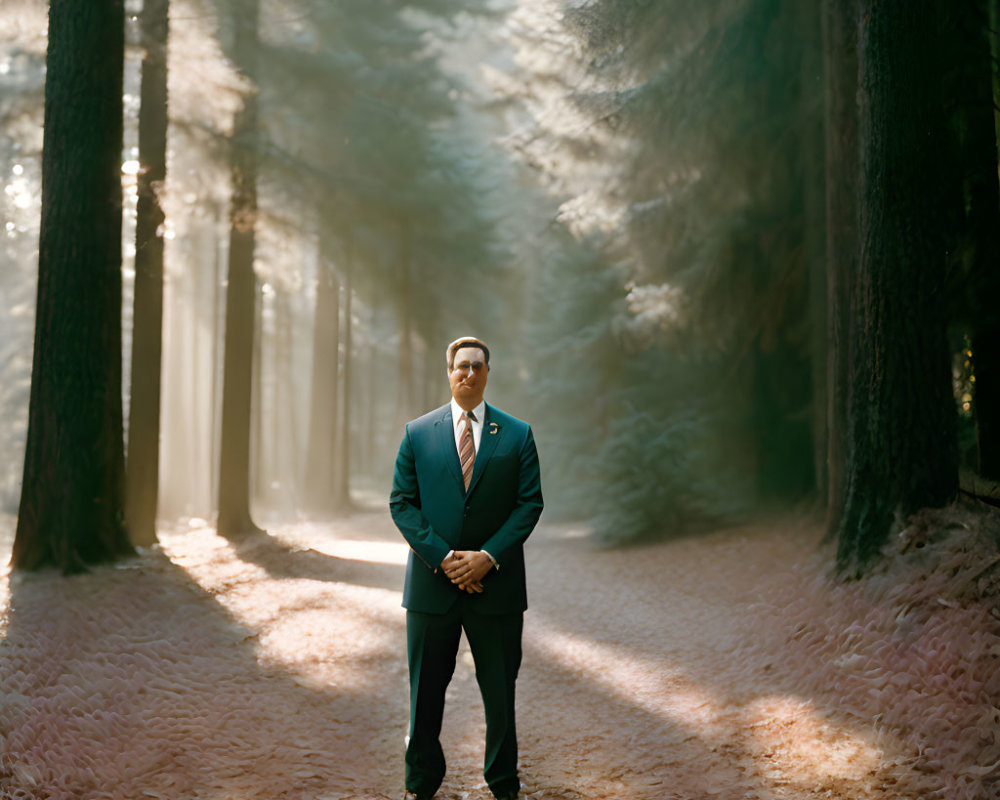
x: 467, y: 568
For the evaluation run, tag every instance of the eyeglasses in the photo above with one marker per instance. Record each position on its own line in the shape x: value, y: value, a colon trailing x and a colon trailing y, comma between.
x: 474, y: 366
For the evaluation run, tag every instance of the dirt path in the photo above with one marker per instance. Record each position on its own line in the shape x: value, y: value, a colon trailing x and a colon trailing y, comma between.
x: 276, y: 669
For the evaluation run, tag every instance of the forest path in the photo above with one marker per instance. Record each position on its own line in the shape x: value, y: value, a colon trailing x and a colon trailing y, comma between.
x: 275, y: 668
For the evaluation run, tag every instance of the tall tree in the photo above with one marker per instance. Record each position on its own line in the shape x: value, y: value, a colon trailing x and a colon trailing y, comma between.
x: 971, y: 77
x: 73, y: 492
x: 812, y: 176
x: 147, y: 332
x: 902, y: 453
x: 241, y: 294
x: 840, y: 55
x: 342, y: 472
x: 406, y: 390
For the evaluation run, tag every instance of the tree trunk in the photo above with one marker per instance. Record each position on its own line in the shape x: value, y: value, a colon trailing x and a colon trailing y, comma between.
x: 325, y: 386
x: 271, y: 461
x: 286, y: 441
x: 813, y: 236
x: 432, y: 371
x: 840, y: 29
x: 241, y: 295
x: 902, y: 451
x: 404, y: 396
x: 342, y: 495
x: 73, y: 491
x: 437, y: 376
x: 258, y: 454
x: 219, y: 244
x: 147, y: 326
x: 372, y: 404
x: 994, y: 38
x: 782, y: 422
x: 982, y: 195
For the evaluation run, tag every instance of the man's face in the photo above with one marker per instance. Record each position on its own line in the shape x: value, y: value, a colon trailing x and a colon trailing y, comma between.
x: 468, y: 377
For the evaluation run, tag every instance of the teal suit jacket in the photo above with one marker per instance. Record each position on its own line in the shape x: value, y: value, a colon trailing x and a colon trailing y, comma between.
x: 435, y: 514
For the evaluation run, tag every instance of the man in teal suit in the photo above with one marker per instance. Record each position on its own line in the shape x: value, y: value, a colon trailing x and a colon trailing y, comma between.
x: 466, y: 493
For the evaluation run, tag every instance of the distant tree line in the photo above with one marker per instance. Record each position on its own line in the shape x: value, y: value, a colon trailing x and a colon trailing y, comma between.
x: 747, y: 256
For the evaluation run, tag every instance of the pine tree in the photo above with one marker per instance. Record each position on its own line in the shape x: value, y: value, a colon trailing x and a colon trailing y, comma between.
x: 234, y: 519
x: 147, y: 334
x: 901, y: 439
x: 72, y: 499
x: 840, y: 23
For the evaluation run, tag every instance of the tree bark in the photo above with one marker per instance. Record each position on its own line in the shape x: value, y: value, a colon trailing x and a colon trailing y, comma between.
x: 147, y: 328
x: 234, y: 518
x: 73, y: 491
x: 994, y: 37
x: 840, y: 28
x: 982, y: 203
x: 902, y: 450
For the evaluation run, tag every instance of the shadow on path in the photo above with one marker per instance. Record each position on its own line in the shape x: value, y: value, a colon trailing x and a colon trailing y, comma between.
x: 132, y: 681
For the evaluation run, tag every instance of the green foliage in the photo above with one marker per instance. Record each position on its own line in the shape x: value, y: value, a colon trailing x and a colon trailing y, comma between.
x: 714, y: 177
x: 361, y: 121
x: 572, y: 366
x: 671, y: 461
x: 684, y: 178
x: 643, y: 443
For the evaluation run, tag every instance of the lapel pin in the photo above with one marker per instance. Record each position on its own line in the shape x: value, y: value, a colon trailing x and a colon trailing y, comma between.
x: 494, y: 428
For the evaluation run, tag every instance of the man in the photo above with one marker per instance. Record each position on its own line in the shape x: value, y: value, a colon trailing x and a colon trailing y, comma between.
x: 466, y: 493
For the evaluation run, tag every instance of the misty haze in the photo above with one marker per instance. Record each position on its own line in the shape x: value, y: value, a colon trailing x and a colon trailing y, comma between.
x: 725, y: 276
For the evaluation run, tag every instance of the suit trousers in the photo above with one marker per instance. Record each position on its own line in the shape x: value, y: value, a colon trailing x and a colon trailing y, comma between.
x: 432, y: 646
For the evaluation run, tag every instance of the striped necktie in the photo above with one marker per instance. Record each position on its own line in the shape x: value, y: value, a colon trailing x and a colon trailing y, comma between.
x: 467, y: 448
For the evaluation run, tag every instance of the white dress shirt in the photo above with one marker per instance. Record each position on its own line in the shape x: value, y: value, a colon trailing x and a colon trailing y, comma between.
x: 457, y: 414
x: 458, y: 426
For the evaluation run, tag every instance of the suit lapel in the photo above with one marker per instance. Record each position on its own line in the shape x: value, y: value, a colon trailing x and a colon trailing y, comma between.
x: 488, y: 441
x: 446, y: 443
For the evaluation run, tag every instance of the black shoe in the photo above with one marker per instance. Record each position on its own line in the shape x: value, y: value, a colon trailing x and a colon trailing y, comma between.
x: 508, y: 796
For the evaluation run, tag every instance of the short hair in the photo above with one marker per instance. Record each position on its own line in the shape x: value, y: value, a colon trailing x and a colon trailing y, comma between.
x: 465, y: 341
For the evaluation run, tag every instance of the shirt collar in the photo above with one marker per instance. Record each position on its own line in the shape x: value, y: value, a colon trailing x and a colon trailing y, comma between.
x: 457, y: 411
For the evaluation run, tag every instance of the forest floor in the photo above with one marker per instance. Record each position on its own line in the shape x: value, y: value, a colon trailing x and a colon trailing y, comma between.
x: 709, y: 667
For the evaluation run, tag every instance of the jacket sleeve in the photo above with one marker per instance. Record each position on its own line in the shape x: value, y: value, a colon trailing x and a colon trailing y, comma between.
x: 404, y: 504
x: 527, y: 508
